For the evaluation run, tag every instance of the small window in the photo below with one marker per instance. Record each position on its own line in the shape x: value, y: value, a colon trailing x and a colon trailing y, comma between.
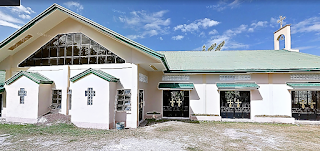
x: 123, y: 100
x: 22, y: 93
x: 56, y: 98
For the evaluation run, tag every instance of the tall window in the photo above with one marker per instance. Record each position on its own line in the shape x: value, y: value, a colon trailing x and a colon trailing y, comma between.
x: 71, y: 49
x: 124, y: 100
x: 56, y: 98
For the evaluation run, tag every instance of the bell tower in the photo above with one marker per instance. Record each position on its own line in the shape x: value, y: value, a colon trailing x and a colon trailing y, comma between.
x: 283, y: 32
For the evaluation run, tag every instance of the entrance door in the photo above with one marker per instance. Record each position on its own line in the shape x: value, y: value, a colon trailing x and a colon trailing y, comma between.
x: 235, y: 104
x: 175, y: 103
x: 305, y: 105
x: 141, y: 97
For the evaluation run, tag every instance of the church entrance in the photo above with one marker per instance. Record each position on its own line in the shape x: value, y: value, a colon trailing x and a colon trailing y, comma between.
x: 235, y: 104
x: 141, y: 98
x: 175, y: 103
x: 305, y: 105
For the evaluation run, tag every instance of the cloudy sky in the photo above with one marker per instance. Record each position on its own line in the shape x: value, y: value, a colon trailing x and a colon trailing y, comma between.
x: 188, y: 25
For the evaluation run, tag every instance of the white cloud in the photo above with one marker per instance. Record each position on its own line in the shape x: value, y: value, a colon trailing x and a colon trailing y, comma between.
x: 213, y: 32
x: 72, y: 5
x: 308, y: 25
x: 161, y: 38
x: 9, y: 18
x: 8, y: 24
x: 222, y: 5
x: 257, y: 24
x: 21, y: 9
x: 132, y: 37
x: 23, y: 16
x: 194, y: 26
x: 227, y: 37
x: 202, y: 34
x: 147, y: 24
x: 178, y: 37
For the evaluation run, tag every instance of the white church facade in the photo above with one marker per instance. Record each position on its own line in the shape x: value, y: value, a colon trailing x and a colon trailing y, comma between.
x: 62, y: 62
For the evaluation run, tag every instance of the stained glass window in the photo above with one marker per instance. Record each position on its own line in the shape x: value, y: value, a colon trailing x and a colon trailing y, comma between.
x: 71, y: 49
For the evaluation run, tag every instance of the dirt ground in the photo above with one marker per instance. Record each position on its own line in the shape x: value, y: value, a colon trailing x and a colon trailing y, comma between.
x: 166, y: 135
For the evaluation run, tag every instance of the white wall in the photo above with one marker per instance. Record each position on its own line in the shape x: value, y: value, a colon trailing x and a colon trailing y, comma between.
x: 112, y: 100
x: 97, y: 114
x: 27, y: 112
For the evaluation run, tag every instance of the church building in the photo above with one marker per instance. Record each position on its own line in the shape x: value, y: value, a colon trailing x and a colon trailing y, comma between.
x: 62, y: 62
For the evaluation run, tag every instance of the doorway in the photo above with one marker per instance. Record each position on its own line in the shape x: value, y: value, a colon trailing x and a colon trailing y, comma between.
x: 175, y: 103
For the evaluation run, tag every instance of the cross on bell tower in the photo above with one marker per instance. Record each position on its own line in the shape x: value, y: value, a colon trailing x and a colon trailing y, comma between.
x: 281, y: 20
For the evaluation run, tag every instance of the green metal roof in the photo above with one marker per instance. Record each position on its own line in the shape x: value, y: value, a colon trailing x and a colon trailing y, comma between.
x: 2, y: 78
x: 241, y: 61
x: 87, y: 21
x: 186, y: 86
x: 237, y: 86
x: 34, y: 76
x: 304, y: 85
x: 98, y: 73
x: 1, y: 89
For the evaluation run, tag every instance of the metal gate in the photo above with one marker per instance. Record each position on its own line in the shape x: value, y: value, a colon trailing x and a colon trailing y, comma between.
x: 235, y: 104
x: 305, y: 105
x: 175, y: 103
x: 141, y: 97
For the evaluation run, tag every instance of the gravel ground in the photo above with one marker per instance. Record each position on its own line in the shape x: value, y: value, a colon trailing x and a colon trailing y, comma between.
x: 165, y: 135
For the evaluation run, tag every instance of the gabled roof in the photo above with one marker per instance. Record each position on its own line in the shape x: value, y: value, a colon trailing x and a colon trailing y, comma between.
x: 98, y: 73
x: 34, y: 76
x: 89, y: 22
x: 240, y: 61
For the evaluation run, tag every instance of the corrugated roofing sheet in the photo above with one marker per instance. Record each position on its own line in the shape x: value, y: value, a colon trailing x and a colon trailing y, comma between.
x: 303, y: 85
x: 244, y: 60
x: 237, y: 86
x: 187, y: 86
x: 98, y: 73
x: 34, y: 76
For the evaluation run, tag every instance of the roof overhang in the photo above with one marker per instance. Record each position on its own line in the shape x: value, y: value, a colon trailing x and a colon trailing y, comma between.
x: 304, y: 85
x: 175, y: 86
x: 238, y: 86
x: 213, y: 71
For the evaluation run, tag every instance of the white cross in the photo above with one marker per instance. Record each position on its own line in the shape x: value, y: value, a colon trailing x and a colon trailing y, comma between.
x: 281, y: 20
x: 172, y: 102
x: 22, y: 93
x: 238, y: 102
x: 230, y: 102
x: 179, y: 102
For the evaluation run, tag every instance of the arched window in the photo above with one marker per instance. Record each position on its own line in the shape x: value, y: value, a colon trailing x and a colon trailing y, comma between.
x: 71, y: 49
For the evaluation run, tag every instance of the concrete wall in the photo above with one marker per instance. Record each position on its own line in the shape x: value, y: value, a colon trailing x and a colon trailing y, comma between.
x: 112, y: 100
x: 27, y: 112
x: 97, y: 114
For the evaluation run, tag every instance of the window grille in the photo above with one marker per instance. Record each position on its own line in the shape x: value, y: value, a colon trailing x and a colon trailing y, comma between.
x: 124, y: 100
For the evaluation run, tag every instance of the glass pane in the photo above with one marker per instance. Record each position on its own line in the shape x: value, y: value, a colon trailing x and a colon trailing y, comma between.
x: 62, y: 40
x: 37, y: 62
x: 77, y: 39
x: 38, y: 54
x: 54, y: 42
x: 54, y: 101
x: 76, y: 60
x: 53, y: 61
x: 61, y: 61
x: 61, y: 52
x: 101, y: 59
x: 93, y: 60
x: 103, y: 51
x: 120, y: 60
x: 85, y: 40
x: 68, y: 61
x: 120, y: 102
x: 110, y: 59
x: 76, y: 50
x: 69, y: 51
x: 70, y: 39
x: 45, y: 52
x: 53, y: 52
x: 120, y: 91
x: 84, y: 60
x: 84, y: 50
x: 45, y: 62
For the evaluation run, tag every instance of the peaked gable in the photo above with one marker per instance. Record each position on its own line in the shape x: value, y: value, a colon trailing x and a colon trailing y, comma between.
x: 34, y: 76
x: 80, y: 18
x: 98, y: 73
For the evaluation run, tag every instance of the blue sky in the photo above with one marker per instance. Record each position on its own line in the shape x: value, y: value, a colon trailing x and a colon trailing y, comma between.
x: 188, y: 25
